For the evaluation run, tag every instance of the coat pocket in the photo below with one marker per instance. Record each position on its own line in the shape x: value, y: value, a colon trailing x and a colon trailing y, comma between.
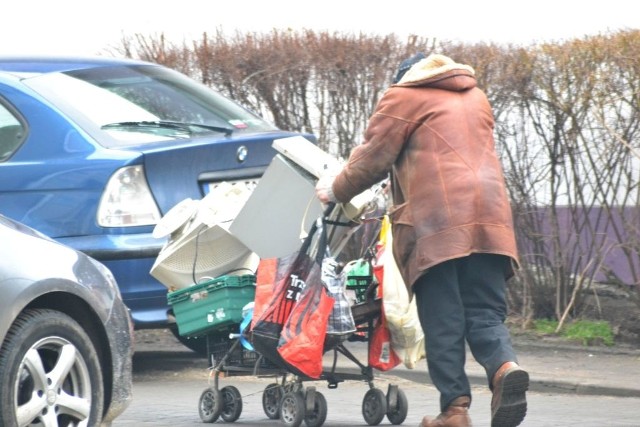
x: 404, y: 236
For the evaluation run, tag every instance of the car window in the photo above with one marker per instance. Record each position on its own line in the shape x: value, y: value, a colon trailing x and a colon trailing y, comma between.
x: 11, y: 133
x: 138, y: 104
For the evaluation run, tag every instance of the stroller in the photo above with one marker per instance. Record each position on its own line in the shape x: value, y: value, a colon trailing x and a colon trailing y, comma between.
x: 289, y: 397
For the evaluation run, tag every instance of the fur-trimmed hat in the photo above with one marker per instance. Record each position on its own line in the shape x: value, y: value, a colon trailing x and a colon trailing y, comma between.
x: 406, y: 64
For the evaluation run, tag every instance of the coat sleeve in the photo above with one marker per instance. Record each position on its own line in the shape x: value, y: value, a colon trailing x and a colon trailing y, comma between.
x: 370, y: 162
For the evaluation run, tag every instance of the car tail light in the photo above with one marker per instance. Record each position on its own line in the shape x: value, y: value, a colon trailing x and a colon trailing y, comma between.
x: 127, y: 200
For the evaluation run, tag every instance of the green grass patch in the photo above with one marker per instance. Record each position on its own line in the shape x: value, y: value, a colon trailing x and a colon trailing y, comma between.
x: 588, y: 332
x: 545, y: 326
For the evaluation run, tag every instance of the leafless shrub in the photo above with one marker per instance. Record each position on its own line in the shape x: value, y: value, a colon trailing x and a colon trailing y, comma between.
x: 567, y: 129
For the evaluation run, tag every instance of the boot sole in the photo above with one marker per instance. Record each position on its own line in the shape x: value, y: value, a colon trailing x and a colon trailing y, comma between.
x: 513, y: 401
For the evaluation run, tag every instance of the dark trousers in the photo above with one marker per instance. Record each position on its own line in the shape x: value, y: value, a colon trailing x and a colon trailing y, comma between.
x: 464, y: 300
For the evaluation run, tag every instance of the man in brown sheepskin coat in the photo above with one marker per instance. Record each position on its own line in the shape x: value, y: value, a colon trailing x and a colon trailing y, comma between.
x: 453, y: 237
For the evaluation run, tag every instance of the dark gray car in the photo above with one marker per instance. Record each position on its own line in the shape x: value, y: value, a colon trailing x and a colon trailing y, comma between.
x: 65, y: 335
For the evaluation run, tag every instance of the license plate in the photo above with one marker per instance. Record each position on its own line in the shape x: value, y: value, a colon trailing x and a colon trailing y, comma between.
x: 245, y: 184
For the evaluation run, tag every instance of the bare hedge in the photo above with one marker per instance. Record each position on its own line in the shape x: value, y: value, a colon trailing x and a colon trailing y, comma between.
x: 567, y: 129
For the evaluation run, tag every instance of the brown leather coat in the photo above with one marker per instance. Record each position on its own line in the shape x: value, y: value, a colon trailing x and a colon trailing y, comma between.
x: 433, y: 131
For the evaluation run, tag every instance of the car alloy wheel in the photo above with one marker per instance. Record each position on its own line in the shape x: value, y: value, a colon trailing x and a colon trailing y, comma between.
x: 49, y: 373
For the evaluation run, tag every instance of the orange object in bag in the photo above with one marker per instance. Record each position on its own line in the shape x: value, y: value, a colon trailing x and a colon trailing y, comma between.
x: 265, y: 281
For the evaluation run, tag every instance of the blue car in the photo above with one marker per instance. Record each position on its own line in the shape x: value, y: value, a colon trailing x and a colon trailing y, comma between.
x: 94, y: 151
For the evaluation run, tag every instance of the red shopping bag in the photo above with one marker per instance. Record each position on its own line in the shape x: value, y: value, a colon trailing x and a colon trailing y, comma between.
x: 301, y: 343
x: 381, y: 355
x: 272, y: 309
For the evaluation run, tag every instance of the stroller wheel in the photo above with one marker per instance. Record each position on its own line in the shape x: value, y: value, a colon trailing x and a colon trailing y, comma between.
x: 232, y: 403
x: 271, y: 399
x: 210, y: 405
x: 397, y: 405
x: 292, y: 409
x: 317, y: 416
x: 374, y: 406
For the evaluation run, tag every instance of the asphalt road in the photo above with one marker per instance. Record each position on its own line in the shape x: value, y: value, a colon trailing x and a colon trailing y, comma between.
x: 169, y: 379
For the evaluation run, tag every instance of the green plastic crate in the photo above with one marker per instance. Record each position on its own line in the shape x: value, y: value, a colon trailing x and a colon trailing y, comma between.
x: 213, y: 305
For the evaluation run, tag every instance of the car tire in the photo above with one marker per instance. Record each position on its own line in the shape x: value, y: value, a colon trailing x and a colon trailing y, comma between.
x: 47, y: 350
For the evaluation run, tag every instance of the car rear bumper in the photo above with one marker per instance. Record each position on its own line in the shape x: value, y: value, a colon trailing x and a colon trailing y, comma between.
x: 130, y: 258
x: 110, y: 247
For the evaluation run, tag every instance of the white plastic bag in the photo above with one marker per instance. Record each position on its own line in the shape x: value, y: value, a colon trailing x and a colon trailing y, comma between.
x: 407, y: 337
x: 341, y: 322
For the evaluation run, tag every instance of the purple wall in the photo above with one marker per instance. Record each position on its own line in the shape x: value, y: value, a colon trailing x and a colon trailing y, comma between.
x: 585, y: 236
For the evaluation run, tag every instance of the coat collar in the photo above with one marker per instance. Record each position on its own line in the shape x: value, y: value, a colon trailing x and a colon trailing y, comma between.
x: 433, y: 68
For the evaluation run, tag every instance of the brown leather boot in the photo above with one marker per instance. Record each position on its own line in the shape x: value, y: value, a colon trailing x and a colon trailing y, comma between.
x: 509, y: 402
x: 456, y: 415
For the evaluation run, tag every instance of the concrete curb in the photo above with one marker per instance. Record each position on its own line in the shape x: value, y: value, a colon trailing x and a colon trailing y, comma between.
x: 540, y: 386
x: 538, y: 383
x: 535, y: 385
